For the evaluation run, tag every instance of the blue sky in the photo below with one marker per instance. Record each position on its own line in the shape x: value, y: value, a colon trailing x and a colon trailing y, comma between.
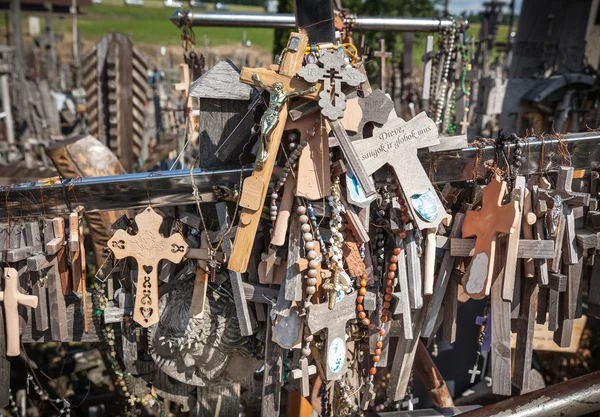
x: 457, y: 6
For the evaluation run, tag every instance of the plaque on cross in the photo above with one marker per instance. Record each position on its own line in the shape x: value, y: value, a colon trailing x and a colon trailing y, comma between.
x: 396, y: 144
x: 11, y: 298
x: 148, y: 248
x: 319, y: 317
x: 485, y: 224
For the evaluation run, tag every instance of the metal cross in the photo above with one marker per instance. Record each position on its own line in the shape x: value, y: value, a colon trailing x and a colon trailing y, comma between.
x: 331, y: 69
x: 382, y: 54
x: 474, y: 372
x: 410, y: 402
x: 333, y: 287
x: 213, y: 264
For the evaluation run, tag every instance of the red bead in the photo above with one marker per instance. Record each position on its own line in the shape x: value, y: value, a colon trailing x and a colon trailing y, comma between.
x: 403, y: 209
x: 401, y: 201
x: 382, y: 331
x: 404, y: 218
x: 362, y: 291
x: 373, y: 370
x: 385, y: 312
x: 378, y: 351
x: 394, y: 259
x: 360, y: 299
x: 384, y: 319
x: 366, y: 322
x: 391, y: 275
x: 389, y: 290
x: 387, y: 297
x: 402, y: 235
x: 390, y: 282
x: 393, y: 267
x: 363, y: 282
x: 376, y: 358
x: 379, y: 345
x: 386, y: 304
x: 397, y: 251
x: 360, y: 307
x: 362, y: 315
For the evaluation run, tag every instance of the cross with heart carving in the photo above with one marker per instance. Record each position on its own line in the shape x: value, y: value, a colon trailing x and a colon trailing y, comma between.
x: 148, y: 248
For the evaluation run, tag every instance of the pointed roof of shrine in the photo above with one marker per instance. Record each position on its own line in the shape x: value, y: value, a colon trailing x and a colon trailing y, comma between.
x: 222, y: 82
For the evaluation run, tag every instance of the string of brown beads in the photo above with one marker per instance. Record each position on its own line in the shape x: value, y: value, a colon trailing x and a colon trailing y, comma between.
x: 360, y: 301
x: 385, y: 312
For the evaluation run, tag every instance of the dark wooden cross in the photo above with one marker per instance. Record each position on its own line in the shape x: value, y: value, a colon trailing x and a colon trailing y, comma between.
x: 148, y: 248
x: 561, y: 216
x: 382, y: 54
x: 319, y: 317
x: 11, y: 298
x: 485, y: 224
x: 271, y: 259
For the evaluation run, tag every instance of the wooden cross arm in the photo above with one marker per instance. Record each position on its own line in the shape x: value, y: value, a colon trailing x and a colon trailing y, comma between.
x: 534, y: 249
x: 202, y: 254
x: 577, y: 200
x: 27, y: 300
x: 54, y: 245
x: 269, y: 77
x: 39, y: 262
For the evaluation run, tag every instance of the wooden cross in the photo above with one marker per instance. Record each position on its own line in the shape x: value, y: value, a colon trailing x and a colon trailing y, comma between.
x: 367, y: 394
x: 333, y: 287
x: 303, y: 374
x: 281, y: 225
x: 201, y: 282
x: 11, y: 297
x: 382, y: 54
x: 256, y: 186
x: 319, y: 317
x: 396, y: 144
x: 78, y: 264
x: 464, y: 124
x: 562, y: 216
x: 485, y: 224
x: 510, y: 269
x: 148, y: 248
x: 271, y: 259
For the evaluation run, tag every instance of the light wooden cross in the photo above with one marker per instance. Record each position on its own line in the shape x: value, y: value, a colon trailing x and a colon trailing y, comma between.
x: 78, y: 264
x: 396, y: 144
x: 201, y: 283
x: 319, y: 317
x: 303, y: 373
x: 256, y: 186
x: 148, y: 248
x: 485, y: 224
x: 271, y: 259
x: 382, y: 54
x: 562, y: 213
x: 184, y: 86
x: 11, y: 297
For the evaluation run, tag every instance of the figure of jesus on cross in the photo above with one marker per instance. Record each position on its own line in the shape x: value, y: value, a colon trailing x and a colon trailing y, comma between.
x: 271, y: 116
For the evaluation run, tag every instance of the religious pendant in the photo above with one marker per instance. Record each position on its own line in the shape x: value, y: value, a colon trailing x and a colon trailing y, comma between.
x: 425, y: 205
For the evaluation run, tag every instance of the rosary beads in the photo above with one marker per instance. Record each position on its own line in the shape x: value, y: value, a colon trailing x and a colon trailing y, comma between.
x: 66, y: 406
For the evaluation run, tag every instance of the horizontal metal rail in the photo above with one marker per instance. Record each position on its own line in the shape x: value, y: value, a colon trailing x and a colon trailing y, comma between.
x: 288, y: 21
x: 171, y: 188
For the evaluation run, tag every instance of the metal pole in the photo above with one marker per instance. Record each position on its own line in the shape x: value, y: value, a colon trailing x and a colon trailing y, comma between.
x: 575, y: 397
x: 172, y: 188
x: 288, y: 21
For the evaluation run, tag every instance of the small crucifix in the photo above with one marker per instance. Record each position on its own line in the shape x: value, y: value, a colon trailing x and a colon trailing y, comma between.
x: 562, y: 220
x: 382, y: 54
x: 148, y: 248
x: 474, y: 372
x: 333, y: 288
x: 410, y: 402
x: 11, y: 297
x: 367, y: 394
x: 485, y: 224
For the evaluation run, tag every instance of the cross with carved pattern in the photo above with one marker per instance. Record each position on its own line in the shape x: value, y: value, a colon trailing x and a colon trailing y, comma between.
x: 256, y: 186
x: 486, y: 224
x: 148, y: 248
x: 11, y: 297
x: 382, y: 54
x: 333, y: 287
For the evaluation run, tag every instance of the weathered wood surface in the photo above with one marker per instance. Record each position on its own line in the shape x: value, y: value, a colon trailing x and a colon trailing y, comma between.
x: 86, y: 156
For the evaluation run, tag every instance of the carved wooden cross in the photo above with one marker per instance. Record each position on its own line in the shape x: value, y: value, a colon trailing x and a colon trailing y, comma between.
x: 319, y: 317
x: 11, y: 297
x: 396, y: 144
x: 382, y: 54
x: 255, y: 187
x: 148, y: 248
x: 485, y: 224
x: 562, y: 216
